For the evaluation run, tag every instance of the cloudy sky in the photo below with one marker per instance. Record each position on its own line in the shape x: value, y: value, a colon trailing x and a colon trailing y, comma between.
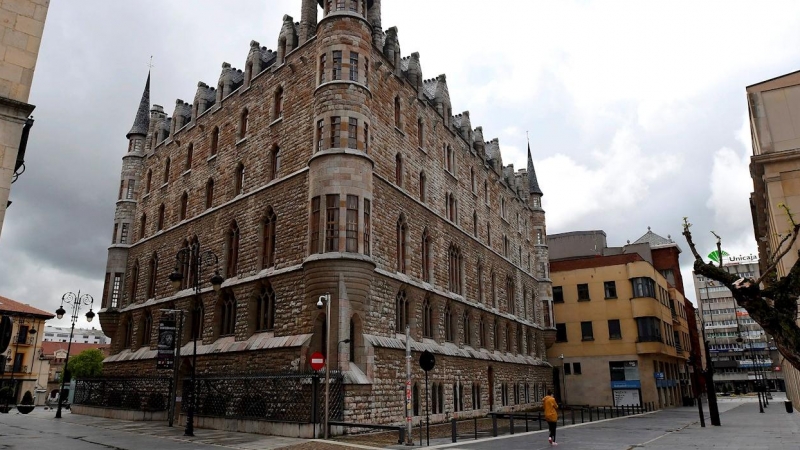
x: 636, y: 111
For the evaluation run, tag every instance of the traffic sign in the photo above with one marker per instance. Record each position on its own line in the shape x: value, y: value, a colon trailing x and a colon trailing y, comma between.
x: 317, y: 360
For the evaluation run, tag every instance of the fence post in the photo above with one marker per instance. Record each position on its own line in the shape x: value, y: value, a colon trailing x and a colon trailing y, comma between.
x: 453, y: 427
x: 511, y: 422
x: 526, y: 422
x: 494, y: 425
x: 540, y: 420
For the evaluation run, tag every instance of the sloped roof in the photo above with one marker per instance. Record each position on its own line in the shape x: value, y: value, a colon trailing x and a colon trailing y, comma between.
x: 16, y: 308
x: 50, y: 348
x: 654, y: 240
x: 533, y: 182
x: 142, y: 121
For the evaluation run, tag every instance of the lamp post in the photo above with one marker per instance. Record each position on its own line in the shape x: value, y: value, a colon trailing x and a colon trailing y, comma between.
x: 325, y: 300
x: 193, y: 259
x: 561, y: 357
x: 75, y: 301
x: 17, y: 340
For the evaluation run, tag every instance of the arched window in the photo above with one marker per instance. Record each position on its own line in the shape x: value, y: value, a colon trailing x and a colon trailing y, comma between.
x: 398, y: 170
x: 420, y: 133
x: 149, y: 182
x: 134, y: 282
x: 530, y: 348
x: 402, y: 243
x: 484, y: 341
x: 422, y: 186
x: 142, y: 225
x: 232, y: 245
x: 278, y: 104
x: 449, y: 328
x: 508, y: 337
x: 449, y: 158
x: 434, y: 399
x: 476, y: 395
x: 472, y: 178
x: 475, y: 224
x: 426, y: 256
x: 451, y: 207
x: 488, y: 233
x: 214, y: 141
x: 524, y: 302
x: 147, y: 328
x: 184, y: 205
x: 227, y: 325
x: 243, y: 122
x: 194, y: 245
x: 401, y: 307
x: 323, y: 59
x: 209, y: 193
x: 184, y: 265
x: 238, y: 184
x: 397, y: 112
x: 494, y: 291
x: 415, y: 399
x: 352, y: 344
x: 152, y: 276
x: 274, y: 162
x: 265, y: 319
x: 467, y: 329
x: 160, y: 221
x: 454, y: 258
x: 167, y: 164
x: 128, y: 339
x: 198, y: 317
x: 519, y: 338
x: 270, y: 238
x: 427, y: 319
x: 510, y: 295
x: 480, y: 282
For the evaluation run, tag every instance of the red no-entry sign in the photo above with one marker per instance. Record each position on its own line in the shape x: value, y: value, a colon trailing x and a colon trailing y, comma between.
x: 317, y: 360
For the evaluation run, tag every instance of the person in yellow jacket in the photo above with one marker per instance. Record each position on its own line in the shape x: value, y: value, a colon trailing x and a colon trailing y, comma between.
x: 551, y: 415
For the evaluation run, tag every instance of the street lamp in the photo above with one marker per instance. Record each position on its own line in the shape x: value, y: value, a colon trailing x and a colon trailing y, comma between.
x: 23, y: 339
x: 75, y: 301
x: 193, y: 259
x: 561, y: 357
x: 325, y: 300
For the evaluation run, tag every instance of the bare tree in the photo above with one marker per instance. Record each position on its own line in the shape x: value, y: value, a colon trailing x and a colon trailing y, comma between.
x: 773, y: 306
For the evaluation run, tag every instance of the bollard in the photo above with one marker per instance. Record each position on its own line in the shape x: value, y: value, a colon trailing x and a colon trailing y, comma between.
x: 494, y: 425
x: 590, y: 414
x: 581, y: 416
x: 453, y: 429
x: 511, y: 422
x: 475, y: 426
x: 540, y: 420
x: 573, y: 416
x: 605, y: 412
x: 526, y: 422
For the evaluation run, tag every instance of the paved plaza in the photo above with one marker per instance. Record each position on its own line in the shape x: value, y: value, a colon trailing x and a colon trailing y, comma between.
x: 677, y: 428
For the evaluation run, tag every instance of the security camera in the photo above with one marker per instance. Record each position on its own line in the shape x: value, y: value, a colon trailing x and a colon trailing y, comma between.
x: 319, y: 302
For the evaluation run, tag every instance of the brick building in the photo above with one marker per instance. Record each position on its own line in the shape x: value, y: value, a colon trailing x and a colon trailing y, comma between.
x: 332, y: 166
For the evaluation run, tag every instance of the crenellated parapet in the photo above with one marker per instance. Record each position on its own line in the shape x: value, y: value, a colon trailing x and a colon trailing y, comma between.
x: 287, y: 38
x: 462, y: 126
x: 258, y: 60
x: 437, y: 94
x: 181, y: 116
x: 493, y: 156
x: 391, y: 49
x: 477, y: 142
x: 204, y: 99
x: 412, y: 71
x: 230, y: 79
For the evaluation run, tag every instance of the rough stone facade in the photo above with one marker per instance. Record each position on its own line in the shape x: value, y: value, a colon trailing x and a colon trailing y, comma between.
x: 337, y: 150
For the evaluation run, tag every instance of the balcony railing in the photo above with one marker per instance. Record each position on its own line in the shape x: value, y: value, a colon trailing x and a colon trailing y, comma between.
x: 23, y: 340
x: 16, y: 368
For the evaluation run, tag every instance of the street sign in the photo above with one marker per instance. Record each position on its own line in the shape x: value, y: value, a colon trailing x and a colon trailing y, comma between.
x: 427, y: 361
x: 165, y: 358
x: 317, y: 360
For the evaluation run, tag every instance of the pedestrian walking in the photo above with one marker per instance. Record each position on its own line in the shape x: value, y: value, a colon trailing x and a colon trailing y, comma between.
x: 551, y: 415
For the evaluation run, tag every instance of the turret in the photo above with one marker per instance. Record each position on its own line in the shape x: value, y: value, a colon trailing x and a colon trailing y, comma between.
x: 308, y: 20
x: 287, y: 38
x: 391, y: 49
x: 181, y: 116
x: 533, y: 183
x: 204, y: 99
x: 230, y: 79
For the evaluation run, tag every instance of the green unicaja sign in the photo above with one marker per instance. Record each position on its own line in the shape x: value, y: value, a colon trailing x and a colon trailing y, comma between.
x: 715, y: 255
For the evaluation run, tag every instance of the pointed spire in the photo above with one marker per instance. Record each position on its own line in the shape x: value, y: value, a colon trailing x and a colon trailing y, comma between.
x: 533, y: 183
x: 142, y: 121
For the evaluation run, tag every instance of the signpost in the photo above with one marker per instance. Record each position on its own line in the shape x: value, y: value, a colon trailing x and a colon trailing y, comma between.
x: 317, y: 360
x: 166, y: 342
x: 427, y: 361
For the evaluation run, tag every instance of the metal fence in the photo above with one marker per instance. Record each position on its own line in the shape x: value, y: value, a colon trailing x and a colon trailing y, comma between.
x: 142, y: 394
x: 284, y: 397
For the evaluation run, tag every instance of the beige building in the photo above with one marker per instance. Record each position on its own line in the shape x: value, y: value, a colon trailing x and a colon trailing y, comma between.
x: 19, y: 365
x: 774, y: 107
x: 21, y: 27
x: 621, y: 328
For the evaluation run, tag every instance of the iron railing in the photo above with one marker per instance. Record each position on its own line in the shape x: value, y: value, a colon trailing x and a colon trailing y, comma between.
x: 16, y: 368
x: 142, y: 394
x: 284, y: 397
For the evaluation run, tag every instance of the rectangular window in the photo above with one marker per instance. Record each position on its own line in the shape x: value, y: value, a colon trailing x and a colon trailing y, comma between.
x: 336, y: 129
x: 643, y: 287
x: 353, y: 66
x: 123, y: 237
x: 322, y: 63
x: 539, y: 237
x: 114, y: 236
x: 314, y: 241
x: 567, y: 369
x: 561, y: 332
x: 649, y: 329
x: 121, y: 187
x: 366, y: 226
x: 351, y: 234
x: 583, y: 292
x: 332, y: 223
x: 115, y: 290
x: 610, y: 288
x: 587, y: 334
x: 366, y: 72
x: 366, y: 138
x: 337, y: 65
x: 352, y: 133
x: 558, y: 294
x: 131, y: 187
x: 320, y: 134
x: 614, y: 330
x: 576, y: 368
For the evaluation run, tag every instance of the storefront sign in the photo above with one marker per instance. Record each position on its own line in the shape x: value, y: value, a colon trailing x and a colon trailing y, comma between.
x: 658, y: 375
x: 627, y: 384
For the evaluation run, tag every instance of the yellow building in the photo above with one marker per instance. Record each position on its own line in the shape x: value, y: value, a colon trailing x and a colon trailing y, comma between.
x: 622, y: 334
x: 774, y: 109
x: 20, y: 364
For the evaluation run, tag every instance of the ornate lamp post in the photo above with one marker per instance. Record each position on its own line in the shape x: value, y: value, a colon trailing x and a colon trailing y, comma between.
x: 19, y: 338
x: 75, y: 301
x: 194, y: 259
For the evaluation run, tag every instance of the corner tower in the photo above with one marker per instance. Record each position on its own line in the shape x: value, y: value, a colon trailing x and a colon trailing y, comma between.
x: 341, y: 175
x: 539, y: 239
x: 122, y: 236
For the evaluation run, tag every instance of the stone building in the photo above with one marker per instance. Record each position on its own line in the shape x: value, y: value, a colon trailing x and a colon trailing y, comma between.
x: 21, y: 26
x: 20, y: 369
x: 622, y: 335
x: 331, y: 165
x: 774, y: 168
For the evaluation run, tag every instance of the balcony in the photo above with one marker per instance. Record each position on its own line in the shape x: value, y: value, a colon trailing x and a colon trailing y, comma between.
x: 23, y: 340
x: 645, y: 307
x: 650, y: 345
x: 17, y: 368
